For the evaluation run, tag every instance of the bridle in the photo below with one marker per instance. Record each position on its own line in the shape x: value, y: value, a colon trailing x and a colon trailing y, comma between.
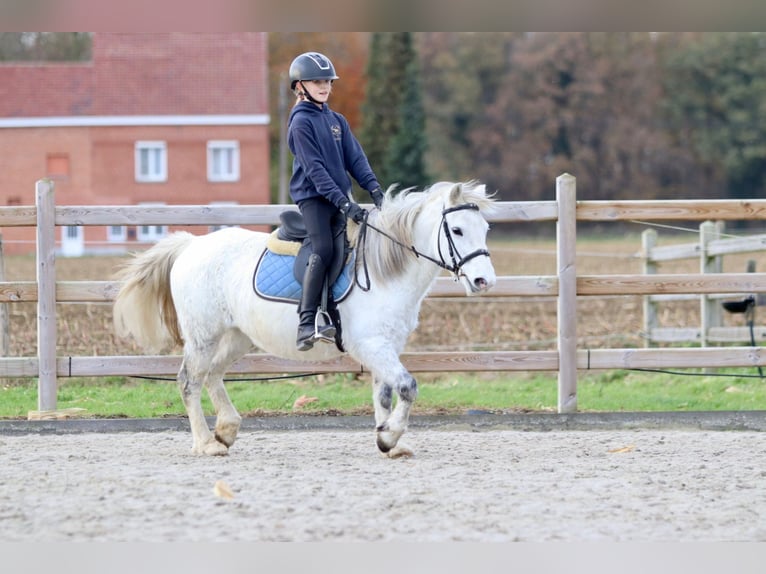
x: 456, y: 260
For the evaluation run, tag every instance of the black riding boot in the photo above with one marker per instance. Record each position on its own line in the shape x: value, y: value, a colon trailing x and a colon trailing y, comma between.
x: 308, y: 330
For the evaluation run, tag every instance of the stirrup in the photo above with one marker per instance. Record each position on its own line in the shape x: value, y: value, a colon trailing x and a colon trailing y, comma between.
x: 324, y: 333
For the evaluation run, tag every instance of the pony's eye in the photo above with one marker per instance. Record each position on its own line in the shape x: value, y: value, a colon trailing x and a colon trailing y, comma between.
x: 457, y: 231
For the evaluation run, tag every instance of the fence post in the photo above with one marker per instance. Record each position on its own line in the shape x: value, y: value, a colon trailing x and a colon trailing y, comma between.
x: 648, y: 241
x: 566, y: 250
x: 46, y: 295
x: 710, y: 309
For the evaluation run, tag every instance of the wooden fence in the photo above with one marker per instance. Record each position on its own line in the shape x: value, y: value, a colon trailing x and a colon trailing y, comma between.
x: 709, y: 250
x: 566, y: 285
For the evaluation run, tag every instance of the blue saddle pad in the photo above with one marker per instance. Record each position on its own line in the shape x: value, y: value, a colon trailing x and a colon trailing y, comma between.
x: 274, y: 279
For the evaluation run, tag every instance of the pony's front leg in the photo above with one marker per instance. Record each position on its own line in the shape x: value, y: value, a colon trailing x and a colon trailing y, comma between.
x: 191, y: 393
x: 393, y: 427
x: 382, y: 400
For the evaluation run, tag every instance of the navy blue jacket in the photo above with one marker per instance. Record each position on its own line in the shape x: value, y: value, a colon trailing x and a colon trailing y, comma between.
x: 326, y: 152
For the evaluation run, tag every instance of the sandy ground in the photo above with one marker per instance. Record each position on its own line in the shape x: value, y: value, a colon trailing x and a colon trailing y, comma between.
x: 320, y: 485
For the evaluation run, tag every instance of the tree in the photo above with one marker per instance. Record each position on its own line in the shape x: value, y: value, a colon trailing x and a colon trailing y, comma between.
x: 378, y: 120
x: 715, y: 94
x: 461, y: 75
x: 393, y: 129
x: 404, y: 159
x: 583, y: 103
x: 45, y: 46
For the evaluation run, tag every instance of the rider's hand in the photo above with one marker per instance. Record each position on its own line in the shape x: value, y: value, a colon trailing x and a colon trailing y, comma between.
x: 377, y: 197
x: 354, y: 212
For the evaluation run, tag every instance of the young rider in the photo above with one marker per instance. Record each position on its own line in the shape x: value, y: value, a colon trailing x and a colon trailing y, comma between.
x: 325, y: 153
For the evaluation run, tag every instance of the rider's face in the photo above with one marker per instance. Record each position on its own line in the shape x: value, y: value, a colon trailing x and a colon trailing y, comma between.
x: 319, y: 89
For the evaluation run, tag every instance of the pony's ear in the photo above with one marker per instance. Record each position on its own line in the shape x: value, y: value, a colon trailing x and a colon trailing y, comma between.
x: 455, y: 194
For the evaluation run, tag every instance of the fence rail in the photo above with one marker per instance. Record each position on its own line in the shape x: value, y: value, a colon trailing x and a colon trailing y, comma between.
x: 709, y: 250
x: 566, y: 285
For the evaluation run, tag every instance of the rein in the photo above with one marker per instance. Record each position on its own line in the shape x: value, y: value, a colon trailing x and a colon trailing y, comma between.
x: 455, y: 257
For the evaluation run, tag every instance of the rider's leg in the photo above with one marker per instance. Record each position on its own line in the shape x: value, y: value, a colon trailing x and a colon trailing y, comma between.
x: 313, y: 282
x: 320, y: 217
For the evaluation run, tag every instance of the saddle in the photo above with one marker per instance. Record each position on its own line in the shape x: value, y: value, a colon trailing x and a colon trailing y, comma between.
x: 292, y: 228
x: 279, y: 272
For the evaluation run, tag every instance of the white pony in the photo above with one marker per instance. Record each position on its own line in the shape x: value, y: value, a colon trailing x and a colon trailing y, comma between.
x: 197, y: 291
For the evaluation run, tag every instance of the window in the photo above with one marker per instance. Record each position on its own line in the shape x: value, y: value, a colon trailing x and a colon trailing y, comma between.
x: 72, y: 241
x: 116, y: 233
x: 222, y: 160
x: 57, y: 165
x: 151, y: 161
x: 151, y: 233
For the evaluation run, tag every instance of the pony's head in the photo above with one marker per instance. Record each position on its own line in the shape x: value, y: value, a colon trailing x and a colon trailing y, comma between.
x: 444, y: 223
x: 462, y: 238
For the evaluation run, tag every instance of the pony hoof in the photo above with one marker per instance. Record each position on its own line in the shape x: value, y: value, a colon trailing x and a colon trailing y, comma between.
x: 383, y: 446
x: 387, y: 440
x: 227, y: 435
x: 400, y: 451
x: 226, y: 441
x: 212, y: 448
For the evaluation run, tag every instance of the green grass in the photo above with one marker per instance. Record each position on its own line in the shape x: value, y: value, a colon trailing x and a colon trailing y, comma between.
x: 606, y: 391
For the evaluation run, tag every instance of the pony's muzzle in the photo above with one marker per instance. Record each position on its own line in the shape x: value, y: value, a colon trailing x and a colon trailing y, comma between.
x: 479, y: 284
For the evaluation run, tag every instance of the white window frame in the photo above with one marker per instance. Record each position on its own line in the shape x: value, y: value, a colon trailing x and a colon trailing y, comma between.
x: 216, y: 171
x: 151, y: 161
x: 151, y: 233
x: 116, y: 233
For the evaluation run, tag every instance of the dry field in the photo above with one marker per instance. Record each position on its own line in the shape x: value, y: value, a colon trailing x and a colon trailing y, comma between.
x: 445, y: 324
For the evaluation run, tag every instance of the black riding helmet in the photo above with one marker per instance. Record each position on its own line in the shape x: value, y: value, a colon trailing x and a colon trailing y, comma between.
x: 311, y: 66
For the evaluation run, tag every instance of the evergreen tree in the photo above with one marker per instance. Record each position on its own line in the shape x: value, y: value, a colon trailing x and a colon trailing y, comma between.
x: 378, y: 117
x: 404, y: 161
x: 393, y: 128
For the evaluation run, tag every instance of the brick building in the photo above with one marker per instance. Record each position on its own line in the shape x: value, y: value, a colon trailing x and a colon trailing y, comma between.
x: 170, y: 118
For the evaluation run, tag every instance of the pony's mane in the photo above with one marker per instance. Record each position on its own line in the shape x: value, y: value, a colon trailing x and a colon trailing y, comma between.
x: 387, y: 259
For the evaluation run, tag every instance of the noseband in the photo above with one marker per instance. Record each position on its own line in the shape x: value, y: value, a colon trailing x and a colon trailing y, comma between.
x: 457, y: 261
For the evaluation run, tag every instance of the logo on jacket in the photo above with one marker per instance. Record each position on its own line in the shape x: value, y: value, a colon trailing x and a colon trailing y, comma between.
x: 335, y: 129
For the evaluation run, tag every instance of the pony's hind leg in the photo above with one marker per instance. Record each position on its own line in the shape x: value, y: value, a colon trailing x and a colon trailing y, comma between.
x: 234, y: 344
x: 190, y: 378
x: 227, y: 418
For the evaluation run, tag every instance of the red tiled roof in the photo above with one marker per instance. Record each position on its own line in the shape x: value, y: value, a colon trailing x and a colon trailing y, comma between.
x: 45, y: 89
x: 145, y: 74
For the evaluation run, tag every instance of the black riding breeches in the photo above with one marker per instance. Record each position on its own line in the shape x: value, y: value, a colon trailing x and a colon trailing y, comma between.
x: 323, y: 223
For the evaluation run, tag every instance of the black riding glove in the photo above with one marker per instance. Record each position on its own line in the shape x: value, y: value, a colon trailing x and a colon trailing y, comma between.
x: 377, y: 197
x: 354, y: 212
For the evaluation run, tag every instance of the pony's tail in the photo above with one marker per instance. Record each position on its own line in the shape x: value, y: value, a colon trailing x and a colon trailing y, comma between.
x: 143, y: 308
